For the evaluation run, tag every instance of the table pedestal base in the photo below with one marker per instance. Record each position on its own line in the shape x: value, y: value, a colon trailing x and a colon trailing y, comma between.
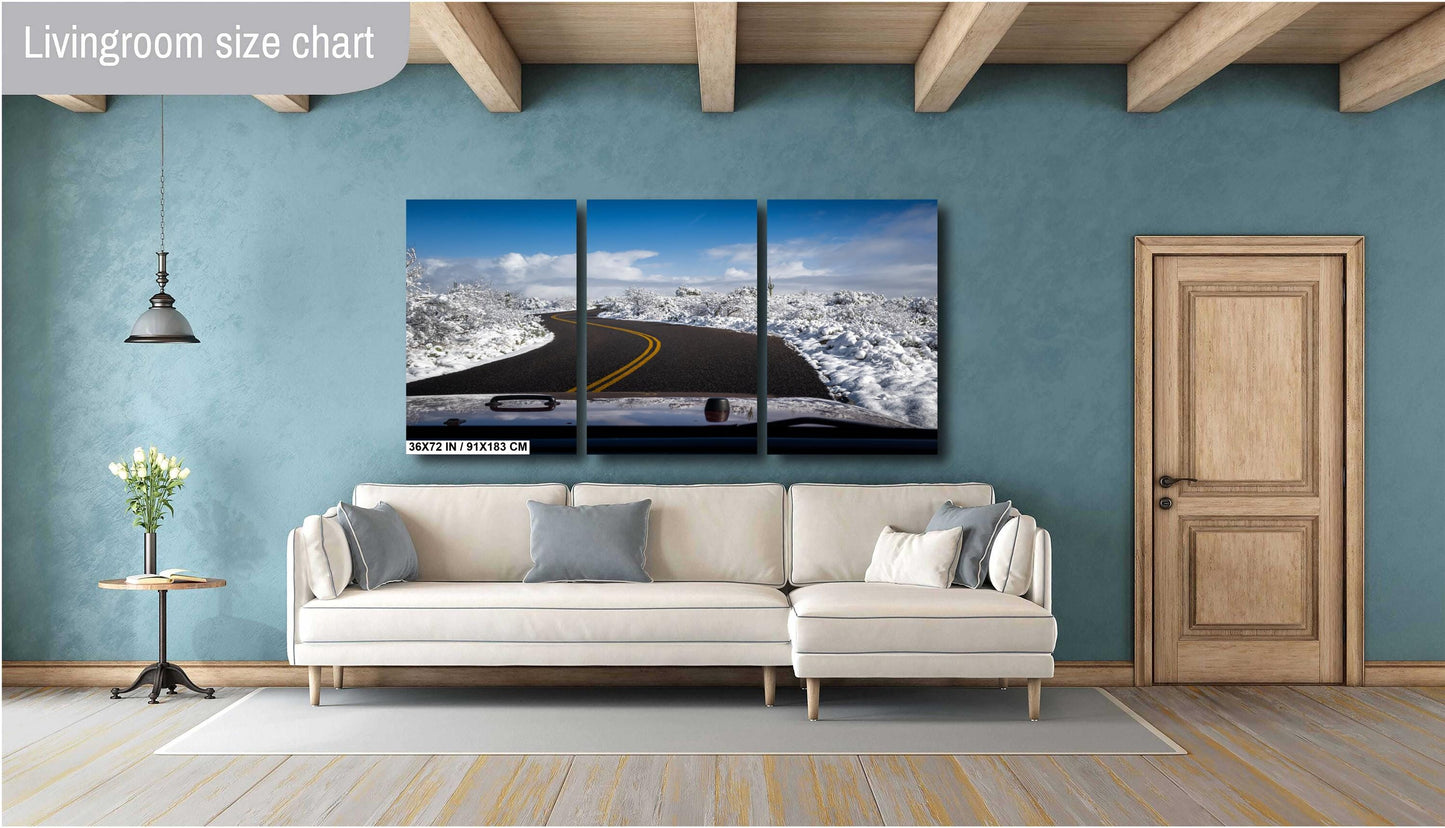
x: 163, y: 674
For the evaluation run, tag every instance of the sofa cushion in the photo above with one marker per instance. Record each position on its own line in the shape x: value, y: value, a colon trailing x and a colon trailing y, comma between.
x: 889, y: 618
x: 465, y: 533
x: 979, y: 525
x: 321, y: 545
x: 709, y: 532
x: 833, y: 527
x: 381, y: 549
x: 916, y: 558
x: 1011, y: 558
x: 514, y: 612
x: 589, y: 543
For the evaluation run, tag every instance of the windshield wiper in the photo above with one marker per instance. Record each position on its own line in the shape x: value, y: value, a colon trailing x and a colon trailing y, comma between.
x: 795, y: 422
x: 499, y: 402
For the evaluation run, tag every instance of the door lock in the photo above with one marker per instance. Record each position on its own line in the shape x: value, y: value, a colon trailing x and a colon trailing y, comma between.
x: 1166, y: 503
x: 1166, y: 481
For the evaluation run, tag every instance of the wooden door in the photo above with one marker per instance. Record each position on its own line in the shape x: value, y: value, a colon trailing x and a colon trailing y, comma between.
x: 1249, y: 379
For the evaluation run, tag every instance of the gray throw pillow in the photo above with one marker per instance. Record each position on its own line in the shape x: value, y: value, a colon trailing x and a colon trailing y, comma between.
x: 979, y: 525
x: 589, y: 543
x: 381, y: 548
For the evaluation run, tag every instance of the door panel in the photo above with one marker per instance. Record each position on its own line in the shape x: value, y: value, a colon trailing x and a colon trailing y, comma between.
x: 1247, y: 387
x: 1251, y: 577
x: 1248, y: 398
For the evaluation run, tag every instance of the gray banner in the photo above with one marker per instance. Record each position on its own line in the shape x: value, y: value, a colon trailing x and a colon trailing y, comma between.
x: 200, y: 48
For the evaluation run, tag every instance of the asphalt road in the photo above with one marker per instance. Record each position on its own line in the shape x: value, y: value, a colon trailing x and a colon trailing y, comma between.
x: 550, y: 369
x: 626, y: 356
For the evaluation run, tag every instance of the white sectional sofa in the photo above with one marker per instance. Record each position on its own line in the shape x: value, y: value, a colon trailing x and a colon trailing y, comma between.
x: 743, y: 575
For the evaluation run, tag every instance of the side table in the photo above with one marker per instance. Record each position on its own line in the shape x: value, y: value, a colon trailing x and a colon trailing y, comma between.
x: 162, y: 673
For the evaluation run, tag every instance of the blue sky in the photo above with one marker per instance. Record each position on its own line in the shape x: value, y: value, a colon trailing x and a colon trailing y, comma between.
x: 662, y: 244
x: 888, y: 247
x: 528, y: 246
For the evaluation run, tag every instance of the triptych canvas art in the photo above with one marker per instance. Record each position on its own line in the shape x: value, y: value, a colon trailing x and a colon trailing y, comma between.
x: 655, y: 342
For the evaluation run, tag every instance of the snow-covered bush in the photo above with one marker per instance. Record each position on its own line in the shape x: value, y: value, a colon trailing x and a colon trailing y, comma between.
x: 470, y: 324
x: 875, y: 351
x: 735, y: 310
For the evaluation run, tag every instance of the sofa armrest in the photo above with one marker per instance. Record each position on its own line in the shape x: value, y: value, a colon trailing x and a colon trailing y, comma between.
x: 298, y: 592
x: 1041, y: 591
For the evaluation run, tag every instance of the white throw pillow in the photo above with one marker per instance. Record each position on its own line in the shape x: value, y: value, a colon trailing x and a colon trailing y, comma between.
x: 1011, y: 557
x: 325, y: 552
x: 919, y: 559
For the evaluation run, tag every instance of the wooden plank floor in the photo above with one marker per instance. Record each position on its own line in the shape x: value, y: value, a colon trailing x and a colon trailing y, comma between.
x: 1307, y: 755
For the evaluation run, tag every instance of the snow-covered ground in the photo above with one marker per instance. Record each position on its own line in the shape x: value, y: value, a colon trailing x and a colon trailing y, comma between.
x: 468, y: 325
x: 878, y: 352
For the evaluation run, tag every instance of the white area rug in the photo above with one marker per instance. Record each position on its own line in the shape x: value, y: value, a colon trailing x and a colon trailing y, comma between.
x: 671, y: 720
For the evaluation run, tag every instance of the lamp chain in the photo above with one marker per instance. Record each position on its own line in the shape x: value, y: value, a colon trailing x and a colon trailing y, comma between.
x: 163, y: 172
x: 161, y: 276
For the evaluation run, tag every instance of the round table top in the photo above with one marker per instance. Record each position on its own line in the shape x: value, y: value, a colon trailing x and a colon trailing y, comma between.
x: 119, y: 583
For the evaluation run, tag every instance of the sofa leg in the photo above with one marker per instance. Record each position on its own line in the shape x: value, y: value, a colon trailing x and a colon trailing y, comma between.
x: 770, y: 685
x: 1036, y: 688
x: 814, y: 686
x: 337, y: 675
x: 1003, y: 684
x: 313, y: 675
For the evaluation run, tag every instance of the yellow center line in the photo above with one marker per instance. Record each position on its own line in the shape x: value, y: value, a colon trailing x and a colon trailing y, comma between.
x: 653, y: 346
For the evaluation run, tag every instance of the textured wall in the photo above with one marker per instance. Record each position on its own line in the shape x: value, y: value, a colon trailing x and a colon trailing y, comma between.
x: 287, y: 237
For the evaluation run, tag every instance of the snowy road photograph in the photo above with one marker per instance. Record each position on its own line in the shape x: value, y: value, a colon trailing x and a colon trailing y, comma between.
x: 672, y: 326
x: 852, y: 290
x: 489, y: 355
x: 670, y: 329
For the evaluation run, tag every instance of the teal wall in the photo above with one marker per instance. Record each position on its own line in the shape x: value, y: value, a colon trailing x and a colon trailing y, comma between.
x: 286, y: 234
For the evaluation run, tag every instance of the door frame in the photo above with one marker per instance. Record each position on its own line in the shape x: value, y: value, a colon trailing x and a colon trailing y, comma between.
x: 1352, y: 248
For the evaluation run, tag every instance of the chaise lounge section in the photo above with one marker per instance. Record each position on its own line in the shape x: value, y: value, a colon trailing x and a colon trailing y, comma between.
x: 842, y: 627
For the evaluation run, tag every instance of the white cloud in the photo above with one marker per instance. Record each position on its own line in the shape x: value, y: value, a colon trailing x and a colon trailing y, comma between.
x: 790, y: 268
x: 741, y: 253
x: 894, y: 254
x: 610, y: 272
x: 618, y: 267
x: 540, y: 274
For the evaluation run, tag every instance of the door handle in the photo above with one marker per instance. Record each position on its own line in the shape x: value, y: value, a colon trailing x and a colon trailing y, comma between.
x: 1166, y: 481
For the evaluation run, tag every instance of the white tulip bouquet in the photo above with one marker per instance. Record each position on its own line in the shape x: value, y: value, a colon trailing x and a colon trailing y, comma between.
x: 151, y: 480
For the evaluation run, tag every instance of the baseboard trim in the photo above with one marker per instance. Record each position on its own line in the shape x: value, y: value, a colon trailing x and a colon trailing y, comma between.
x: 1405, y: 673
x: 282, y: 674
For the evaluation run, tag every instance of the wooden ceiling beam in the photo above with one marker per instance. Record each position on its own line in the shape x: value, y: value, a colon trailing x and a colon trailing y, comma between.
x: 476, y: 47
x: 286, y: 103
x: 1207, y: 39
x: 961, y: 41
x: 1401, y: 64
x: 78, y: 103
x: 717, y: 53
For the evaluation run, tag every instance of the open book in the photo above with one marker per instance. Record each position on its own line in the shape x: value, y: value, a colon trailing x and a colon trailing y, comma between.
x: 169, y: 576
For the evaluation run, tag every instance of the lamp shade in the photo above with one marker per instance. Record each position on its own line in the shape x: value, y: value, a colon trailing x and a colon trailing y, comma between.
x: 161, y: 323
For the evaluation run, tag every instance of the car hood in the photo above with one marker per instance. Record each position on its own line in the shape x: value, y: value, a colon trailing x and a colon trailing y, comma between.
x: 781, y: 409
x: 472, y: 410
x: 643, y: 410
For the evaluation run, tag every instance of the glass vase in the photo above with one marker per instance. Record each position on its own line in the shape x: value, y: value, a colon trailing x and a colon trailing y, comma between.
x: 150, y: 553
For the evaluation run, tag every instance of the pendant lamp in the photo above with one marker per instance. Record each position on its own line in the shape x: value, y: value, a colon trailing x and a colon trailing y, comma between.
x: 162, y: 322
